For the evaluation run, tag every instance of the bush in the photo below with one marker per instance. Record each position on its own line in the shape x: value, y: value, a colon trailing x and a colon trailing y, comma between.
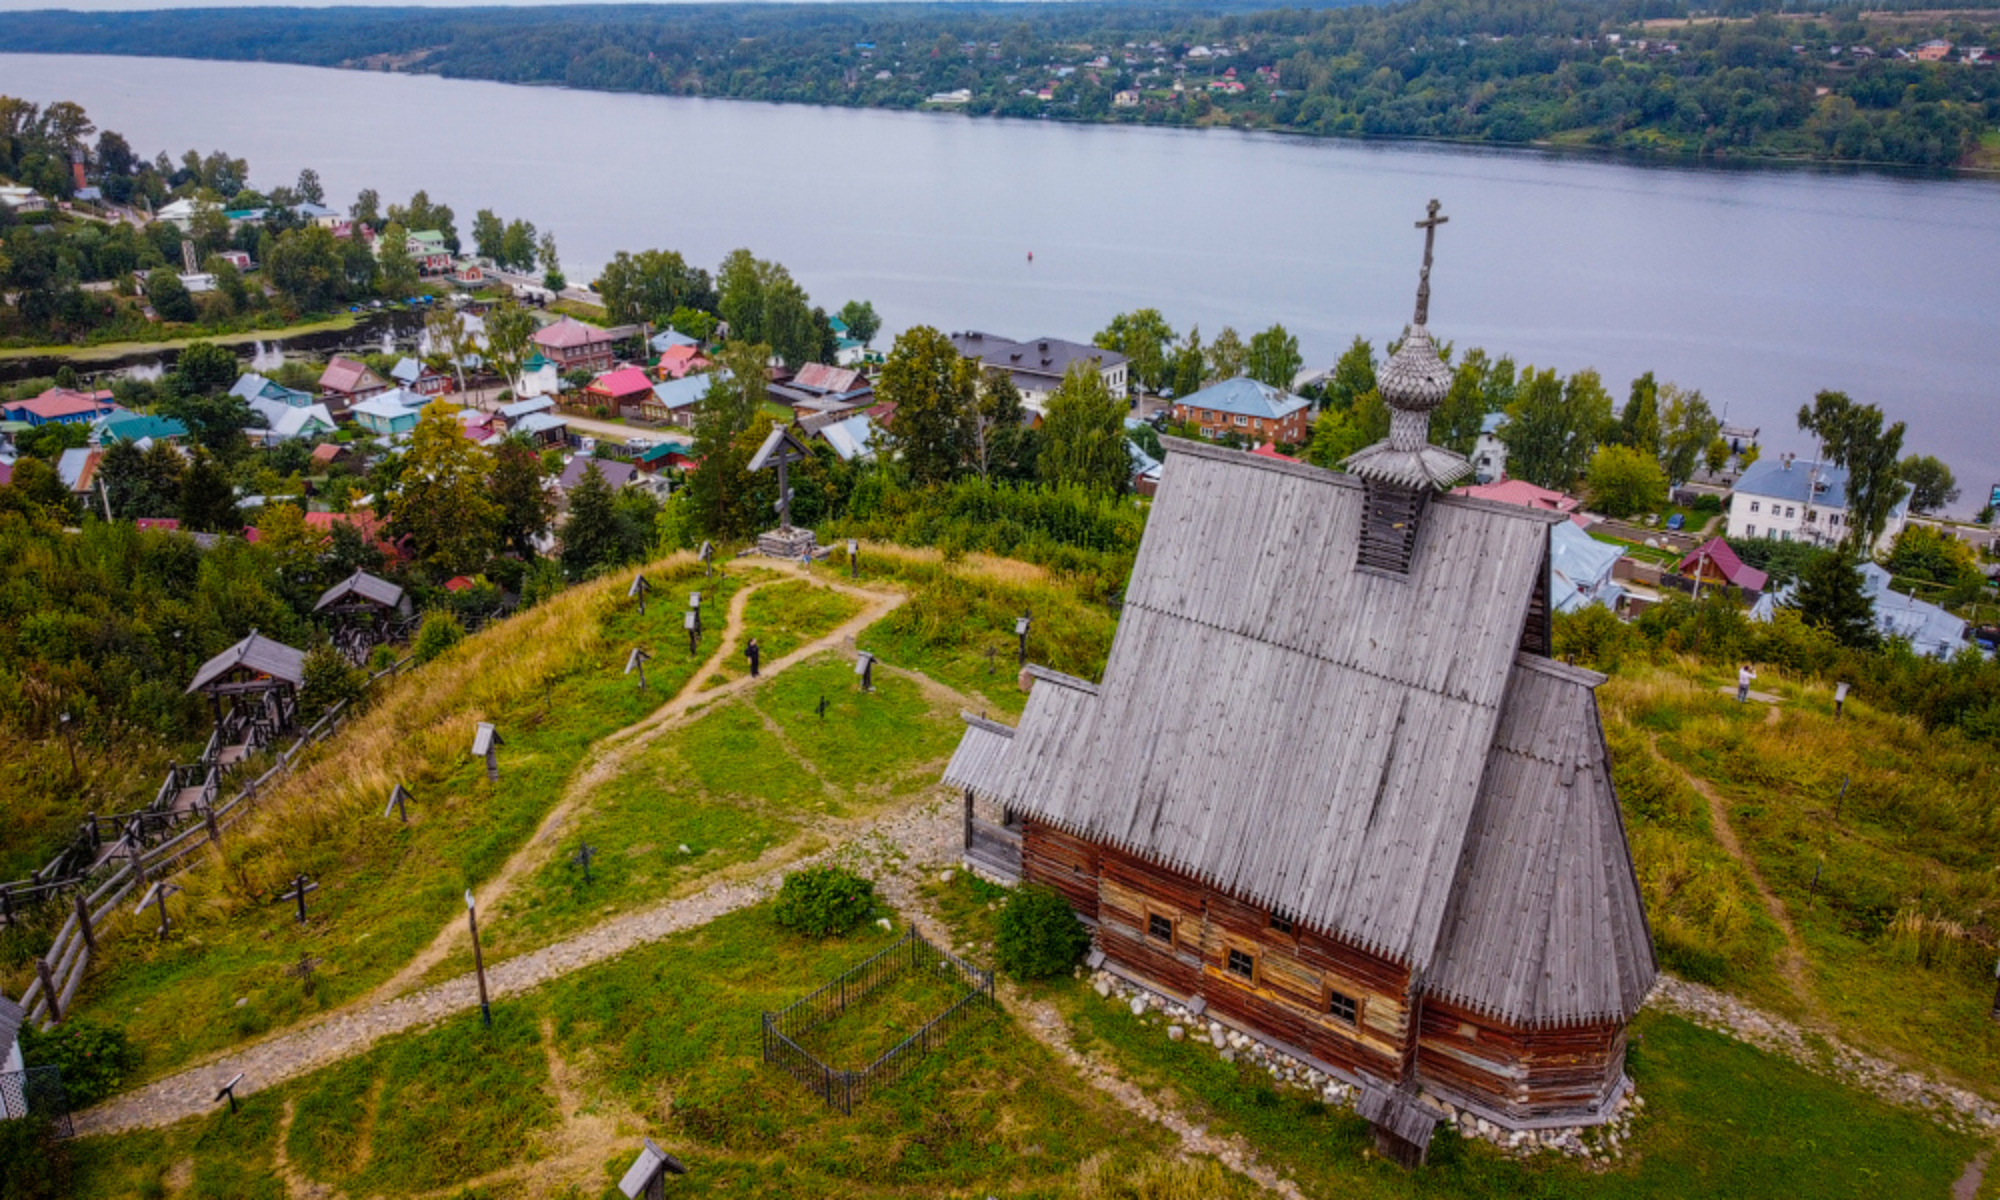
x: 94, y: 1058
x: 1039, y: 934
x: 824, y: 901
x: 34, y: 1163
x: 329, y: 680
x: 441, y: 631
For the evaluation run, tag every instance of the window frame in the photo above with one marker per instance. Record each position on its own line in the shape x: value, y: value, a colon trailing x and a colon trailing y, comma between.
x: 1173, y: 939
x: 1329, y: 993
x: 1282, y: 925
x: 1229, y: 953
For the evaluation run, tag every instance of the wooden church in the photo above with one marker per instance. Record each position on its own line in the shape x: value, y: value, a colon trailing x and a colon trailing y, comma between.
x: 1334, y: 792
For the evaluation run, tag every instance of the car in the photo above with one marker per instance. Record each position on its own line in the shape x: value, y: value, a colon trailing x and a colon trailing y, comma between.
x: 1676, y: 521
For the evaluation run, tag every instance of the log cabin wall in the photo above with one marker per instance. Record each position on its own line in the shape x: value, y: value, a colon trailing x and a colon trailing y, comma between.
x: 1316, y: 994
x: 1523, y: 1074
x: 1068, y: 864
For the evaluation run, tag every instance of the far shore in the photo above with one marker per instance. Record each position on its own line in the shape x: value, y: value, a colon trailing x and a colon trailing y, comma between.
x: 115, y: 350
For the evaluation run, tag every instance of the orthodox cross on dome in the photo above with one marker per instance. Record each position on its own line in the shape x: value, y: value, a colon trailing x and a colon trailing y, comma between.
x: 1430, y: 227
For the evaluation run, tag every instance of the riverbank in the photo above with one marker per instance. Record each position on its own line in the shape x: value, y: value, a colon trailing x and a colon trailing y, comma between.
x: 113, y: 351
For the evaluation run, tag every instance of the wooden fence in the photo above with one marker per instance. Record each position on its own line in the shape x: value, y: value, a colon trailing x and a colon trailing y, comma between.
x: 841, y: 1088
x: 60, y: 970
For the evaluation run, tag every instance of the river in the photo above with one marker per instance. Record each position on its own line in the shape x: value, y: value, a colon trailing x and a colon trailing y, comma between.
x: 1757, y: 286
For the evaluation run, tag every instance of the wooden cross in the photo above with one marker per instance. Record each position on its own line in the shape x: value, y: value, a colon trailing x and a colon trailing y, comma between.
x: 303, y: 970
x: 708, y: 559
x: 637, y: 662
x: 1429, y: 225
x: 638, y: 591
x: 397, y: 800
x: 822, y: 708
x: 229, y: 1091
x: 582, y: 859
x: 298, y: 891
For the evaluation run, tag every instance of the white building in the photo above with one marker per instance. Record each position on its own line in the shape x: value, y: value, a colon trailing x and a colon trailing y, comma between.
x: 1797, y: 501
x: 1038, y: 365
x: 1489, y: 453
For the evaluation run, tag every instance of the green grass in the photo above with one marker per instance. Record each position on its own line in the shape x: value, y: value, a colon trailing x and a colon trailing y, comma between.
x: 783, y: 617
x: 385, y: 888
x: 872, y: 1025
x: 867, y: 742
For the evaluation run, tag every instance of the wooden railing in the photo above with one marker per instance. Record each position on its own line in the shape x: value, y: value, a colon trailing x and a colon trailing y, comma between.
x: 116, y: 877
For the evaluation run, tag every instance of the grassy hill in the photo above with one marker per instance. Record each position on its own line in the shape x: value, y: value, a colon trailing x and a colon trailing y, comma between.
x: 701, y: 790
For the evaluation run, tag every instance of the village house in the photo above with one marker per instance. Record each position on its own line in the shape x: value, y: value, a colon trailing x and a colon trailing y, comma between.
x: 1489, y: 452
x: 412, y: 375
x: 1795, y: 501
x: 1038, y: 366
x: 253, y: 387
x: 385, y: 415
x: 621, y: 387
x: 346, y: 382
x: 428, y: 250
x: 1714, y: 565
x: 574, y: 346
x: 673, y: 402
x: 1405, y: 865
x: 678, y: 362
x: 136, y: 427
x: 818, y: 388
x: 617, y: 474
x: 1521, y: 492
x: 286, y: 423
x: 61, y: 406
x: 1248, y: 409
x: 511, y: 415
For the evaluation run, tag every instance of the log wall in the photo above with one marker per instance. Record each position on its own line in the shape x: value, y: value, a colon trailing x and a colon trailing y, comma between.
x: 1069, y: 865
x: 1524, y: 1074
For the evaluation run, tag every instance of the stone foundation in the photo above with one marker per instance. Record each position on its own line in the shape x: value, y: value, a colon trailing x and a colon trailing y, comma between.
x: 793, y: 543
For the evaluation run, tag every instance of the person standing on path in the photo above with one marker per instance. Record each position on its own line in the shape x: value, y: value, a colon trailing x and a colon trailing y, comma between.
x: 754, y: 653
x: 1744, y: 675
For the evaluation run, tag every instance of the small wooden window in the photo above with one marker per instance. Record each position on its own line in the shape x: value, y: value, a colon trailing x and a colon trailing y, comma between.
x: 1341, y: 1007
x: 1242, y: 964
x: 1281, y: 924
x: 1160, y: 928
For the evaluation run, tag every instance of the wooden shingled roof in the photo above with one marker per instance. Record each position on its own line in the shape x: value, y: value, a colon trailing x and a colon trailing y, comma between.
x: 254, y: 653
x: 368, y: 587
x: 1315, y: 737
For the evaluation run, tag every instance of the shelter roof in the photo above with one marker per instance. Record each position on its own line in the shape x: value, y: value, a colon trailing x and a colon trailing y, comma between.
x: 368, y: 587
x: 254, y: 653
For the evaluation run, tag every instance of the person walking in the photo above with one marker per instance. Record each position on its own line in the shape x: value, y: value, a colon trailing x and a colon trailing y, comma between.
x: 755, y: 654
x: 1744, y: 675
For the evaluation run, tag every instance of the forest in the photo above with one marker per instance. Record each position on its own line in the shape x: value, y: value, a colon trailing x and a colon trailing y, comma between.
x: 1832, y: 85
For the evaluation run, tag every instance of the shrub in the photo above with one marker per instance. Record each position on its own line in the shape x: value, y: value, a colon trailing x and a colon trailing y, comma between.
x: 329, y: 680
x: 441, y: 631
x: 34, y: 1163
x: 824, y: 901
x: 94, y: 1058
x: 1039, y: 934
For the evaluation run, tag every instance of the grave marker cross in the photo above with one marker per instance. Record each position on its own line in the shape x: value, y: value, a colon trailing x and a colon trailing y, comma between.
x: 300, y: 886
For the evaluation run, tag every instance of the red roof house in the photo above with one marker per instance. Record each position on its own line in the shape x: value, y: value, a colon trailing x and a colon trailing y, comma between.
x: 458, y: 583
x: 1714, y: 562
x: 346, y: 383
x: 363, y: 520
x: 1270, y: 450
x: 159, y: 524
x: 1522, y: 493
x: 678, y: 362
x: 574, y: 346
x: 60, y: 406
x: 626, y: 385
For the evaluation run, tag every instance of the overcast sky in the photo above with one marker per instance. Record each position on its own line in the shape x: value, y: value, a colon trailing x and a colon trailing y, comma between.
x: 146, y: 5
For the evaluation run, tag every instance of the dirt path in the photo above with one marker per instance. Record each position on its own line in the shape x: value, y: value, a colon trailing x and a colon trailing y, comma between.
x: 611, y: 754
x: 1792, y: 964
x: 1045, y: 1023
x: 1967, y: 1185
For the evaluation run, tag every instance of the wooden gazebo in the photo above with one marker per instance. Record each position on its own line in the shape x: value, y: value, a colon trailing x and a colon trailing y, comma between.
x: 364, y: 610
x: 260, y: 678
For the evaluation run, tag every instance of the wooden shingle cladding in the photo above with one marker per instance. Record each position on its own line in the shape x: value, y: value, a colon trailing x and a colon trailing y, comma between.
x: 1367, y: 756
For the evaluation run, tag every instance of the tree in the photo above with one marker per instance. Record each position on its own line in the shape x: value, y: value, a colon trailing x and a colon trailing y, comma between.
x: 489, y: 234
x: 208, y: 503
x: 694, y: 322
x: 309, y: 189
x: 552, y: 275
x: 516, y: 486
x: 450, y: 338
x: 1353, y: 374
x: 1852, y: 436
x: 1921, y: 552
x: 169, y: 296
x: 1226, y: 356
x: 327, y: 679
x: 1273, y: 358
x: 510, y: 331
x: 142, y: 483
x: 651, y: 285
x: 1008, y: 448
x: 1716, y: 456
x: 739, y: 289
x: 933, y: 388
x: 728, y: 423
x: 1190, y: 364
x: 308, y: 268
x: 1932, y: 485
x: 1624, y: 480
x: 1553, y: 427
x: 1639, y: 424
x: 1830, y: 596
x: 1143, y: 337
x: 1083, y: 433
x: 203, y: 368
x: 1457, y: 423
x: 421, y: 214
x: 788, y: 318
x: 396, y: 272
x: 590, y: 532
x: 518, y: 246
x: 1687, y: 427
x: 861, y: 320
x: 367, y: 208
x: 442, y: 503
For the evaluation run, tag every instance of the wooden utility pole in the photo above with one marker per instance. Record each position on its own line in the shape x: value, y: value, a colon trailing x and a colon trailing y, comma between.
x: 478, y: 962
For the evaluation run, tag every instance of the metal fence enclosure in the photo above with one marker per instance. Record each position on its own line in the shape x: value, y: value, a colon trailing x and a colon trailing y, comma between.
x: 841, y: 1088
x: 36, y: 1093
